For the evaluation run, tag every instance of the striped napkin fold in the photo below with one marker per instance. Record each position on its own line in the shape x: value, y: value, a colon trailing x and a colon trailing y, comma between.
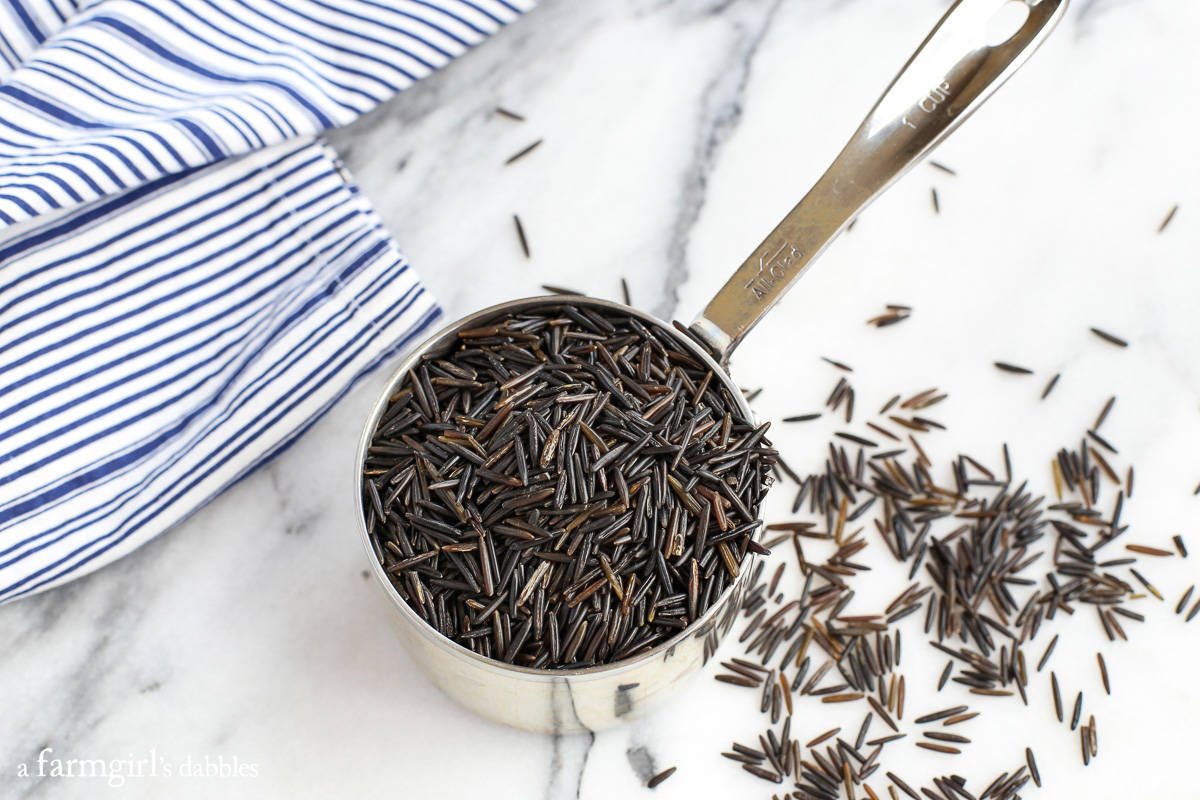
x: 187, y: 278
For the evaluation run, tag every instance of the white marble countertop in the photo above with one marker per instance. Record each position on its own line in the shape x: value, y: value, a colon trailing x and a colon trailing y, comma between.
x: 676, y: 134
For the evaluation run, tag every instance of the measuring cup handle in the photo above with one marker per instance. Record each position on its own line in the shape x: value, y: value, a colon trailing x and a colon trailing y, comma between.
x: 965, y: 58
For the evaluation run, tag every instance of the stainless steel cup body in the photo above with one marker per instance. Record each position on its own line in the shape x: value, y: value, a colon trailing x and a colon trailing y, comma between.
x: 559, y: 701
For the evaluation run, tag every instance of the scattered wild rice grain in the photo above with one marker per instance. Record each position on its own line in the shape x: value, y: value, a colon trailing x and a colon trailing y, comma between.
x: 660, y: 777
x: 1167, y: 220
x: 1006, y: 367
x: 1050, y: 386
x: 1108, y: 337
x: 523, y: 152
x: 504, y: 112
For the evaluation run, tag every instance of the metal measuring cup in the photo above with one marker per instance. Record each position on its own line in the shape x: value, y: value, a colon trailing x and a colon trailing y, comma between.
x: 974, y: 48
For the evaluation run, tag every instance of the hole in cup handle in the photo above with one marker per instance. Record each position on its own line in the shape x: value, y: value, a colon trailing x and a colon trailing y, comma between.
x: 1007, y: 21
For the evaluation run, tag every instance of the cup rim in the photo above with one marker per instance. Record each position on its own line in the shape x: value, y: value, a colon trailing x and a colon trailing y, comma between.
x: 706, y: 620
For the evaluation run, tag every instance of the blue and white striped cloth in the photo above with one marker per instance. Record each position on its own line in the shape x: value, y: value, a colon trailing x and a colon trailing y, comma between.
x: 187, y: 279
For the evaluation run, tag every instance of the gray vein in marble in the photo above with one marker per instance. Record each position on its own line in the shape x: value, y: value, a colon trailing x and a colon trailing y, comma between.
x: 721, y: 110
x: 46, y: 611
x: 297, y: 521
x: 70, y: 714
x: 1087, y: 11
x: 557, y: 786
x: 568, y: 762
